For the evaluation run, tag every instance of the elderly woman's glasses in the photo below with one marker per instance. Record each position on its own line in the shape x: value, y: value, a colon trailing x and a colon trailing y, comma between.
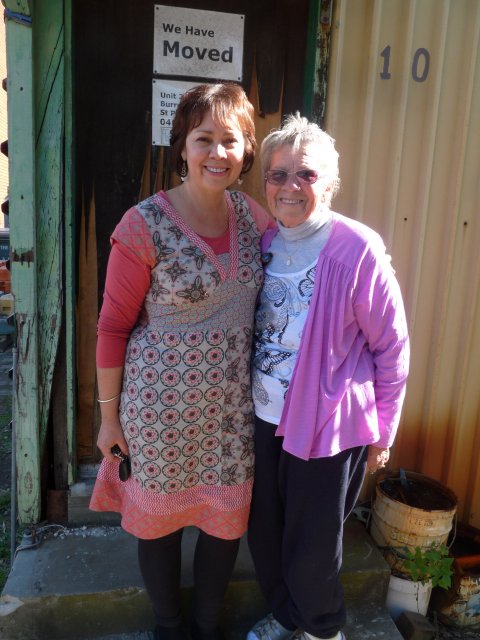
x: 278, y: 177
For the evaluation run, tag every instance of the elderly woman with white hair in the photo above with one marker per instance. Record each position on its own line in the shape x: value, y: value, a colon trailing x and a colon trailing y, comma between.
x: 330, y: 363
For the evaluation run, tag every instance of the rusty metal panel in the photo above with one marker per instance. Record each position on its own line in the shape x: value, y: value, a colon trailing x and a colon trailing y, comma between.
x: 403, y: 103
x: 465, y: 610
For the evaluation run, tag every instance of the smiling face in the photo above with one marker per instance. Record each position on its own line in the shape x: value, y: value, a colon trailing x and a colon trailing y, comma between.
x: 214, y: 154
x: 295, y: 201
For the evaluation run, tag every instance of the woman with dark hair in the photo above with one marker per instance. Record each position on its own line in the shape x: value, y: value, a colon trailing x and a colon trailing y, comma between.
x: 173, y: 354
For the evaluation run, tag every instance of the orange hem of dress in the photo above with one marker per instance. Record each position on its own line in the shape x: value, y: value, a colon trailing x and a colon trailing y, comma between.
x: 113, y: 497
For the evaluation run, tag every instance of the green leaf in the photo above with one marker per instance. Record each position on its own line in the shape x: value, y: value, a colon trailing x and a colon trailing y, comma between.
x: 432, y: 564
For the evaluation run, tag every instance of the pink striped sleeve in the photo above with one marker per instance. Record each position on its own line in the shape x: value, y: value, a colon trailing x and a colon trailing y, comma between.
x: 132, y: 231
x: 126, y: 285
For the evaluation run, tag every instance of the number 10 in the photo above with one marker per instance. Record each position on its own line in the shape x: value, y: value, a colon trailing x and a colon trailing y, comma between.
x: 421, y: 58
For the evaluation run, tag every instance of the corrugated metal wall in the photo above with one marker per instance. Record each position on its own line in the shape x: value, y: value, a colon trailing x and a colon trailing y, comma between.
x: 403, y: 103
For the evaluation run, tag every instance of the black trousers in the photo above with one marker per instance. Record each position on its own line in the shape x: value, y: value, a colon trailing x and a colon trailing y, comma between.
x: 296, y: 530
x: 160, y: 564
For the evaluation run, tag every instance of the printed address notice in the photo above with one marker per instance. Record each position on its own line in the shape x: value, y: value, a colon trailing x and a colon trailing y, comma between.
x: 166, y: 95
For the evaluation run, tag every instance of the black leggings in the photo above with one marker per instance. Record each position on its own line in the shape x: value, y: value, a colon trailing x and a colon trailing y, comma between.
x: 160, y: 562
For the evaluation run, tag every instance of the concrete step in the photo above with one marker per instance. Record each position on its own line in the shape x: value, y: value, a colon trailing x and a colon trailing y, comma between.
x: 84, y: 583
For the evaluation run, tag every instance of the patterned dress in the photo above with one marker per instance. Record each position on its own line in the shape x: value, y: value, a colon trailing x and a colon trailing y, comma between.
x: 186, y: 407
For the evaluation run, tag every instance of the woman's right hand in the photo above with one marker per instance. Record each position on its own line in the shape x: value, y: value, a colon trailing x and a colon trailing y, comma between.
x: 111, y: 433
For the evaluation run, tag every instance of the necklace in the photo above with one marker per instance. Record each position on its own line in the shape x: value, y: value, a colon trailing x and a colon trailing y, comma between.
x: 290, y: 254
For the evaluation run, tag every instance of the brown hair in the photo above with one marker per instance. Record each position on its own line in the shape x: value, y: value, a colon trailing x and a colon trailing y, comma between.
x: 225, y: 102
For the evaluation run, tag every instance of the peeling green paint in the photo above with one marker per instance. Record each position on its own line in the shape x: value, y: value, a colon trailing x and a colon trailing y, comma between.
x: 316, y: 70
x: 36, y: 89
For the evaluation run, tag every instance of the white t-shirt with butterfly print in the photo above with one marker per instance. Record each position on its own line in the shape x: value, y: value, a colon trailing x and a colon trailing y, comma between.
x: 282, y: 310
x: 280, y: 320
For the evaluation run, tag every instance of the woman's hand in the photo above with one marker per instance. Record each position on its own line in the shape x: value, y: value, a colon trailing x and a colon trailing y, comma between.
x: 109, y: 381
x: 377, y: 458
x: 111, y: 433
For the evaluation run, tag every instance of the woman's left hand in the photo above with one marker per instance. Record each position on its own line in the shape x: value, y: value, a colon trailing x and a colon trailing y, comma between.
x: 377, y: 458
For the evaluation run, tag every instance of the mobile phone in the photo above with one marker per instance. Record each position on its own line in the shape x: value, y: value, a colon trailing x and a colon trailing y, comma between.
x: 124, y: 468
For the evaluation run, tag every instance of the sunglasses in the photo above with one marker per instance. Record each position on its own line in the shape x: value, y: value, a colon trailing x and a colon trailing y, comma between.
x: 278, y: 177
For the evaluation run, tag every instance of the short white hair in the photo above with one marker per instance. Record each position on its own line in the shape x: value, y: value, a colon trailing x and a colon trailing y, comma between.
x: 297, y: 132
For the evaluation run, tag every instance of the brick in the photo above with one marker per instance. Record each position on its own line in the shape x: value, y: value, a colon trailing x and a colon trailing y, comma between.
x: 414, y: 626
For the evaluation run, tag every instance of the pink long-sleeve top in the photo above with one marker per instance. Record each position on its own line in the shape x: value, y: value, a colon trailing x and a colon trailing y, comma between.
x: 349, y: 380
x: 128, y: 281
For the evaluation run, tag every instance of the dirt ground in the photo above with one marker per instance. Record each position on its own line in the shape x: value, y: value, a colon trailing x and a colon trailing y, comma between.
x: 449, y: 633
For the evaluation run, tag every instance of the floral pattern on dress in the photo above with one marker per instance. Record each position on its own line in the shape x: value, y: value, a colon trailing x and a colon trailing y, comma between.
x: 186, y: 409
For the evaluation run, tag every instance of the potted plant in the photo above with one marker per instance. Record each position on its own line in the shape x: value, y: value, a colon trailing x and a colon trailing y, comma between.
x: 416, y: 572
x: 430, y: 565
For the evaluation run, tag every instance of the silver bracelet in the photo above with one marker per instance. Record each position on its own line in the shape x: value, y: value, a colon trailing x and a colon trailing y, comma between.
x: 110, y: 399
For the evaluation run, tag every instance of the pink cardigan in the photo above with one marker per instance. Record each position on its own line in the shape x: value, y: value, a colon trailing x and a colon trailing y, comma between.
x: 348, y: 385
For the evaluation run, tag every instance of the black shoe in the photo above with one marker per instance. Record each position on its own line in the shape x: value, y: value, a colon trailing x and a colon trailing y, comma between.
x: 197, y: 633
x: 169, y: 633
